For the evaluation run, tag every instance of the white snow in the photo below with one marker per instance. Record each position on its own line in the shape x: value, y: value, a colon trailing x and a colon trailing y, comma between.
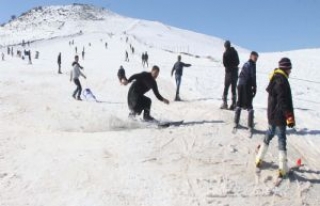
x: 58, y: 151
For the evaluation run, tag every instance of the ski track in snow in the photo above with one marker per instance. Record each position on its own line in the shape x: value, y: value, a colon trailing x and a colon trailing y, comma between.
x: 58, y: 151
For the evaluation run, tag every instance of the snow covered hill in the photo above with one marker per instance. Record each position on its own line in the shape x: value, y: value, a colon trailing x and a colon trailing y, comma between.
x: 58, y: 151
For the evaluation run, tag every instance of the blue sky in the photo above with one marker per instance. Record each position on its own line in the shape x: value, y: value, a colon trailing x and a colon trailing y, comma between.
x: 262, y: 25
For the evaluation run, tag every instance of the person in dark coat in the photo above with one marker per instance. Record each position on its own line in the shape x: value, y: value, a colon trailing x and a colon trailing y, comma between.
x: 280, y: 114
x: 247, y: 89
x: 146, y: 59
x: 126, y: 56
x: 178, y: 69
x: 231, y: 62
x: 59, y: 63
x: 142, y: 83
x: 143, y: 58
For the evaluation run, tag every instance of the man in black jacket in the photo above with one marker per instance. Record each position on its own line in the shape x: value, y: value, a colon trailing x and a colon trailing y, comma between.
x: 178, y: 69
x: 280, y: 114
x: 142, y: 83
x: 231, y: 62
x: 247, y: 88
x: 59, y: 63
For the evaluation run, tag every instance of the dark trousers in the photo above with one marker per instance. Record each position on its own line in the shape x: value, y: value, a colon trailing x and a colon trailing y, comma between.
x: 231, y: 79
x: 59, y: 67
x: 178, y: 83
x: 78, y: 89
x: 139, y: 104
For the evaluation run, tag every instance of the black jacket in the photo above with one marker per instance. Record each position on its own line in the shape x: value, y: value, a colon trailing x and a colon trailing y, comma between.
x: 178, y: 68
x: 280, y: 99
x: 248, y: 74
x: 247, y: 85
x: 142, y: 84
x: 231, y: 59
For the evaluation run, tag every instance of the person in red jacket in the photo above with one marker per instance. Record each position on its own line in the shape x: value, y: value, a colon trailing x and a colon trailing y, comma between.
x: 280, y: 114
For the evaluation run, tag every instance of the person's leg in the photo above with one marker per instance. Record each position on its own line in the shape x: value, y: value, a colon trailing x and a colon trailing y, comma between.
x: 178, y: 83
x: 265, y: 144
x: 237, y: 117
x: 234, y: 81
x: 282, y: 144
x: 227, y: 83
x: 146, y: 105
x: 77, y: 88
x: 250, y: 118
x: 79, y: 91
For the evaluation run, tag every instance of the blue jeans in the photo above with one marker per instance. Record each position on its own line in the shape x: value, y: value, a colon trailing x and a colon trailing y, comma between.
x: 178, y: 82
x: 280, y: 131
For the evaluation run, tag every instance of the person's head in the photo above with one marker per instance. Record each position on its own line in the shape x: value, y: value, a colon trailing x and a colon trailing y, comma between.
x: 179, y: 58
x: 254, y: 56
x: 155, y: 71
x: 285, y: 65
x: 76, y: 58
x: 227, y: 44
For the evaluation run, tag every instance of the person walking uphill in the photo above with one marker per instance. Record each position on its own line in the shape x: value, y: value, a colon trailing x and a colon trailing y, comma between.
x: 231, y: 62
x: 142, y: 83
x: 178, y: 69
x: 280, y: 114
x: 59, y: 63
x: 247, y: 89
x: 75, y: 75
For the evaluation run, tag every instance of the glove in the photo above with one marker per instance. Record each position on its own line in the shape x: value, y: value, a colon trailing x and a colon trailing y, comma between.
x: 290, y: 120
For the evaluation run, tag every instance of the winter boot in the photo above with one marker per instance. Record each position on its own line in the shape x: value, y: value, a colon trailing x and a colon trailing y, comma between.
x: 251, y: 119
x: 237, y: 117
x: 147, y: 117
x: 79, y: 99
x: 177, y: 98
x: 234, y: 104
x: 261, y: 154
x: 283, y: 167
x: 224, y: 104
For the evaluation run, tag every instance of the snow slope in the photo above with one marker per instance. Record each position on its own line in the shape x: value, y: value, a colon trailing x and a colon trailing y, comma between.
x: 58, y: 151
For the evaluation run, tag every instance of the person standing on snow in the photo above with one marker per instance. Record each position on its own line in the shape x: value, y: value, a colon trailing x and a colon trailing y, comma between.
x: 280, y: 114
x: 178, y: 69
x: 247, y: 88
x: 2, y: 56
x: 137, y: 101
x: 59, y: 63
x: 146, y: 59
x: 127, y: 56
x: 75, y: 75
x: 231, y: 62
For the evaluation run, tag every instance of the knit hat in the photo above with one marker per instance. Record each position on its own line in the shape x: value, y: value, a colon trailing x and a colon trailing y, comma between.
x: 227, y: 44
x: 285, y: 63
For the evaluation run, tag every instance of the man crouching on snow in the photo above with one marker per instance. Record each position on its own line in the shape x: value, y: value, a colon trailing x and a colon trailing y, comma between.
x: 280, y: 114
x: 142, y: 83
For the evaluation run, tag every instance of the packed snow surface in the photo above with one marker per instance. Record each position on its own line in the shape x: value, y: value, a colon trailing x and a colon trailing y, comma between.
x: 55, y: 150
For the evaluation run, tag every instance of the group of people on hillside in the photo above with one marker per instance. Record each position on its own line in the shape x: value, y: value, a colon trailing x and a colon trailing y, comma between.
x: 145, y: 59
x: 243, y: 90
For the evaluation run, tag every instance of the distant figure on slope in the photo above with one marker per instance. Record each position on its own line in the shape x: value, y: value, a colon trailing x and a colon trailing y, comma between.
x: 2, y: 56
x: 29, y: 57
x: 247, y: 88
x: 143, y: 57
x: 75, y: 75
x: 142, y: 83
x: 178, y: 69
x: 146, y: 59
x: 106, y: 45
x: 76, y: 50
x: 231, y: 62
x: 83, y: 53
x: 280, y: 114
x: 59, y: 63
x: 127, y: 57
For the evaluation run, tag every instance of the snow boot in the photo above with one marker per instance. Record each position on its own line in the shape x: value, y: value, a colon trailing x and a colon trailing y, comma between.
x: 79, y: 99
x: 234, y: 104
x: 177, y: 98
x: 261, y: 154
x: 283, y: 167
x: 147, y: 117
x: 237, y: 117
x: 251, y: 119
x: 225, y: 103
